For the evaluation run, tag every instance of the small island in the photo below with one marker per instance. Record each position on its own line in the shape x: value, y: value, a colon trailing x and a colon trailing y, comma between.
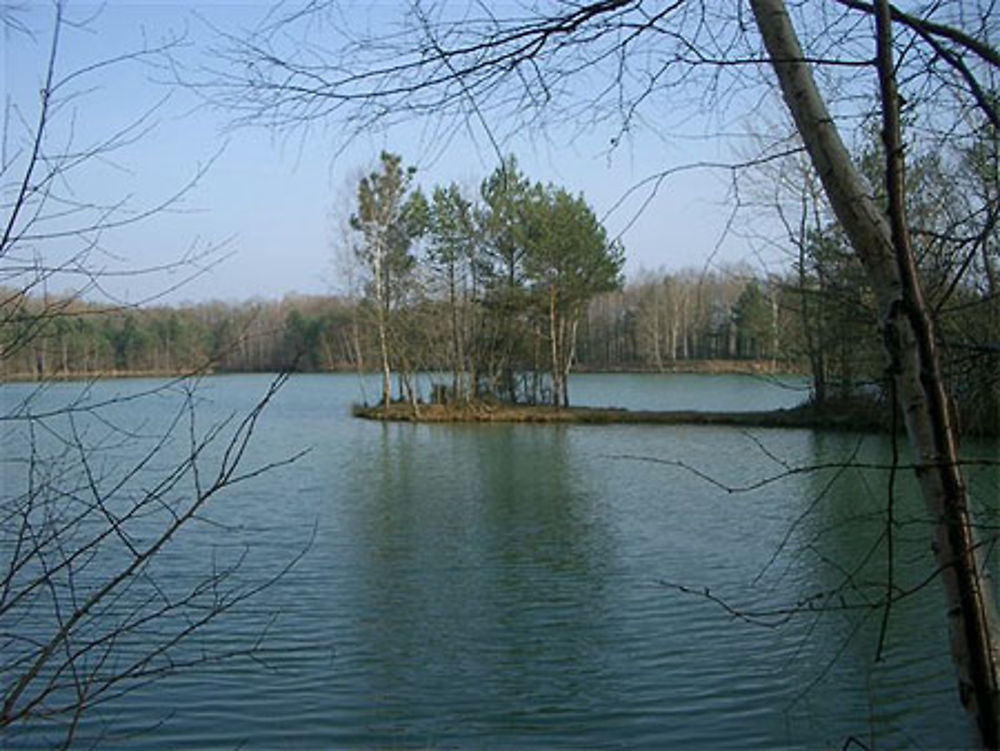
x: 853, y: 416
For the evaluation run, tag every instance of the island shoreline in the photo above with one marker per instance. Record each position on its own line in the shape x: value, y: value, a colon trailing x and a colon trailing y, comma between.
x: 853, y: 418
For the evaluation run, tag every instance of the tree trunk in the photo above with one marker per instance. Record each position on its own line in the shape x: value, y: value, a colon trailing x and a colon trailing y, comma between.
x: 554, y: 349
x: 913, y: 364
x: 657, y: 354
x: 456, y: 351
x: 382, y: 315
x: 685, y: 353
x: 383, y: 345
x: 775, y: 332
x: 570, y: 357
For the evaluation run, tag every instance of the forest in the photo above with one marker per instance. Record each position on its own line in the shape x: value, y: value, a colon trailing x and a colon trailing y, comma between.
x: 507, y: 291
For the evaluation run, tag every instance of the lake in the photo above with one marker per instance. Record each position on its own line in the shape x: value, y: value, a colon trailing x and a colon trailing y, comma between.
x: 521, y: 586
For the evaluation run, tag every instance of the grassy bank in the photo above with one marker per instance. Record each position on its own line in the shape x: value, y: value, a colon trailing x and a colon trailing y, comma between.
x: 702, y: 367
x: 840, y: 417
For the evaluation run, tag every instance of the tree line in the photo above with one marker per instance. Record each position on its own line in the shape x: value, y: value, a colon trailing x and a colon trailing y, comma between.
x: 815, y: 319
x: 506, y: 290
x: 659, y: 321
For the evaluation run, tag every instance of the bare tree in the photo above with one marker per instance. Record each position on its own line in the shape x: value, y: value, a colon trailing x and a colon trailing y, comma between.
x: 389, y: 217
x: 883, y: 244
x: 92, y: 501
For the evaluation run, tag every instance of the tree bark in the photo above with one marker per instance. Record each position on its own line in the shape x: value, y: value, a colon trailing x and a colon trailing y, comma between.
x: 554, y: 342
x: 382, y: 315
x: 570, y: 356
x: 456, y: 354
x: 908, y: 333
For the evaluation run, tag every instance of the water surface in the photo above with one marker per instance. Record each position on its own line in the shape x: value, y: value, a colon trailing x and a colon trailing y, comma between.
x: 540, y: 586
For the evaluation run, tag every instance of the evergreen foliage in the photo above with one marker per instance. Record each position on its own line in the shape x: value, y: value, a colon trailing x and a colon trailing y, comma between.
x: 507, y: 290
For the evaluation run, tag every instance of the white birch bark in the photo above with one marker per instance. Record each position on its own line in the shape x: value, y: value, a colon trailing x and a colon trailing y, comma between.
x: 909, y: 344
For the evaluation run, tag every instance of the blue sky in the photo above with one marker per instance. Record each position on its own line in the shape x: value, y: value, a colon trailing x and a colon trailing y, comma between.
x: 272, y: 199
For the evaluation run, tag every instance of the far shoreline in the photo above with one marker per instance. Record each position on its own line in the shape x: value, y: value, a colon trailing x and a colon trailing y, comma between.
x: 678, y: 367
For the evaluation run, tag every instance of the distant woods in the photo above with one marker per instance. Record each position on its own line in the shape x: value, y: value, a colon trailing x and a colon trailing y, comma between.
x: 503, y: 292
x: 660, y: 321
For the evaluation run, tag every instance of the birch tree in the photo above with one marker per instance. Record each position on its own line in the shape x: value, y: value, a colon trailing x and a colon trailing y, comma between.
x: 389, y: 217
x: 883, y: 245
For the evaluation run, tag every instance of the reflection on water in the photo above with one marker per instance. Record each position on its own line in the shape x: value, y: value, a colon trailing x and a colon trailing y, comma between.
x: 481, y: 581
x: 516, y: 586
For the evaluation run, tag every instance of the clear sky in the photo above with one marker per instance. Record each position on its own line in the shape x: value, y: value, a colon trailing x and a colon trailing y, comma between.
x: 271, y: 199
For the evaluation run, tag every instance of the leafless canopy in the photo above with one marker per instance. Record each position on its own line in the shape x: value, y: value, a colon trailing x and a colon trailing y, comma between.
x: 94, y: 501
x: 617, y: 64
